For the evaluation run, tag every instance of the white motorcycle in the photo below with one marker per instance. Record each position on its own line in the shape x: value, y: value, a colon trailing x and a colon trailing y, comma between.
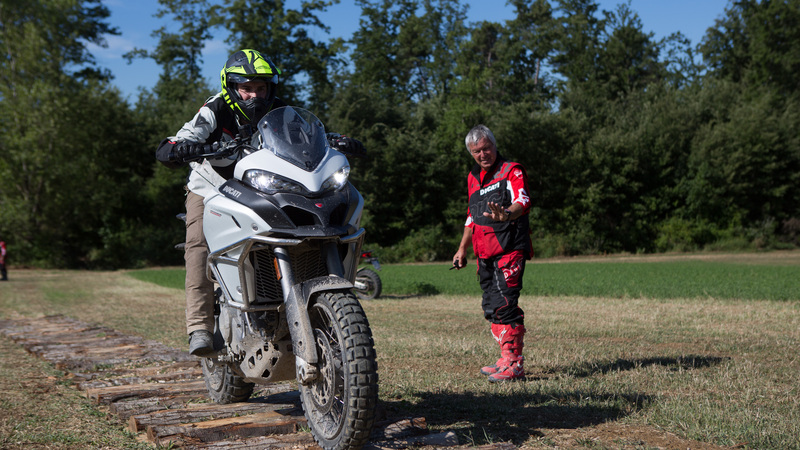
x: 284, y: 239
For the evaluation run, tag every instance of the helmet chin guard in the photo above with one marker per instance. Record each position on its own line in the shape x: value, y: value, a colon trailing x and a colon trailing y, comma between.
x: 254, y: 108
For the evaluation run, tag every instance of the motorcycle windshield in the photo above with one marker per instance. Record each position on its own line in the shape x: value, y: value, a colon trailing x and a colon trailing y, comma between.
x: 295, y: 135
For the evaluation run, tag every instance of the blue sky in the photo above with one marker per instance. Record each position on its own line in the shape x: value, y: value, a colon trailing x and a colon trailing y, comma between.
x: 135, y: 20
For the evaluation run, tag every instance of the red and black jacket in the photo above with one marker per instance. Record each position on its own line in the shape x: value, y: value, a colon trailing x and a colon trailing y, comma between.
x: 505, y: 183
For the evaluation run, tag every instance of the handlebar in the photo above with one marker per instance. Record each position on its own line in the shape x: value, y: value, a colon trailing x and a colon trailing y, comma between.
x: 222, y: 150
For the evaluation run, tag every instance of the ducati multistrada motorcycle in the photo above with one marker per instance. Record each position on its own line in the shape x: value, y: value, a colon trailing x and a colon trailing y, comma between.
x: 284, y: 240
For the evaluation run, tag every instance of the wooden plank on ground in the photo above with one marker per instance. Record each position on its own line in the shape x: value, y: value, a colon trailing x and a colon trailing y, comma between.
x: 270, y: 422
x: 159, y: 373
x: 127, y: 407
x: 191, y: 413
x: 107, y: 395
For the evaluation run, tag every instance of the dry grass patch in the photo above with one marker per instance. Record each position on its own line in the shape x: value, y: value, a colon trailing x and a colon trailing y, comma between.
x: 39, y: 409
x: 720, y: 372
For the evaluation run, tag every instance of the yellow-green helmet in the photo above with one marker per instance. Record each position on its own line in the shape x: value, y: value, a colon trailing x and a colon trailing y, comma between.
x: 243, y: 66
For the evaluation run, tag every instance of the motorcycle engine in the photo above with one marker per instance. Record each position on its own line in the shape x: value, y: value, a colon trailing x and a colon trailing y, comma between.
x: 259, y: 343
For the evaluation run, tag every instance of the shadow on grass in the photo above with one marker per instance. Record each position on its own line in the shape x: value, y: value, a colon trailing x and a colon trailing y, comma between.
x: 420, y: 290
x: 488, y: 417
x: 688, y: 362
x: 515, y: 417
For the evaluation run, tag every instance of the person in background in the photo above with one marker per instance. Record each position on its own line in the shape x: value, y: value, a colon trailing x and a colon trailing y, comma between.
x: 249, y: 90
x: 3, y: 270
x: 498, y: 229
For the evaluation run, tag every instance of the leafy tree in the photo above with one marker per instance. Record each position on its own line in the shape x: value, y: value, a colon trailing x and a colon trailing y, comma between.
x: 629, y: 59
x: 745, y: 165
x: 394, y: 101
x: 529, y: 44
x: 283, y: 35
x: 578, y: 43
x: 180, y: 54
x: 174, y: 99
x: 70, y: 160
x: 376, y: 51
x: 757, y: 42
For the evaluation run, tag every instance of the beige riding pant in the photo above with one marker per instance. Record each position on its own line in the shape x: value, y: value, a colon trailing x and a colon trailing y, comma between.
x: 199, y: 289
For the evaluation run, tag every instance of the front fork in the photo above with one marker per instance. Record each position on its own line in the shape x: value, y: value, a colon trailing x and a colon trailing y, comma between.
x: 296, y: 298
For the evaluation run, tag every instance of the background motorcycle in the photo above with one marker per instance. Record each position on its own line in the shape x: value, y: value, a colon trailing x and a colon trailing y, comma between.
x: 367, y: 285
x: 284, y: 241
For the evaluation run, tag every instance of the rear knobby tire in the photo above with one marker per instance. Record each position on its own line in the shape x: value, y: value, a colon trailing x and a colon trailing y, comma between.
x: 223, y: 385
x: 340, y: 404
x: 371, y: 279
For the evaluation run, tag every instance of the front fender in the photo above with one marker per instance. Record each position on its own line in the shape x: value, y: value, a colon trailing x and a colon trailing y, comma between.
x: 299, y: 322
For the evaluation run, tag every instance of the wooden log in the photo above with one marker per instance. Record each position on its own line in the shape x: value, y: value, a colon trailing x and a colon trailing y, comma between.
x: 183, y: 370
x: 270, y: 422
x: 119, y: 381
x: 191, y: 413
x: 111, y: 394
x: 125, y: 408
x: 157, y: 368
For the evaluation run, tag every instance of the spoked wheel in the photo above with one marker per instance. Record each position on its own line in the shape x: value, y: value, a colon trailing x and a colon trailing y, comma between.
x: 223, y: 385
x: 368, y: 284
x: 340, y: 404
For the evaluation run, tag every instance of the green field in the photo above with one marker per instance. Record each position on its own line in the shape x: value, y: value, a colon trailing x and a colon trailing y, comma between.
x: 724, y: 279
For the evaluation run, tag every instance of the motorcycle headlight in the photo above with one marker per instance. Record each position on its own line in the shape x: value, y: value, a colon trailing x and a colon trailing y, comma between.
x: 269, y: 183
x: 337, y: 180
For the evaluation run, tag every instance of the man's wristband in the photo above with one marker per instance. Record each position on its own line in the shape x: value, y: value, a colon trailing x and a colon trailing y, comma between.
x: 508, y: 213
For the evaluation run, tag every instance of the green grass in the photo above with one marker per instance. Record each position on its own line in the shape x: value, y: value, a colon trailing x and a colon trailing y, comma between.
x: 167, y: 277
x: 645, y: 279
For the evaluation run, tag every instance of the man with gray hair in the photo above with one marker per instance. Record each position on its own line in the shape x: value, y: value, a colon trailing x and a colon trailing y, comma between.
x: 497, y: 226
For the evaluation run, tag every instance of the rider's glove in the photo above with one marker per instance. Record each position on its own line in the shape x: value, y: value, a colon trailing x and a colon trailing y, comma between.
x: 189, y: 151
x: 345, y: 144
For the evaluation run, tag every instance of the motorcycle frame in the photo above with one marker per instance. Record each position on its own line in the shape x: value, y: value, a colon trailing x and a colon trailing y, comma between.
x: 295, y: 295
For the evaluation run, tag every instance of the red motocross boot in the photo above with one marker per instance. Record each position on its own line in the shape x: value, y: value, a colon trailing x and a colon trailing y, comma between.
x: 498, y: 332
x: 509, y: 367
x: 505, y: 334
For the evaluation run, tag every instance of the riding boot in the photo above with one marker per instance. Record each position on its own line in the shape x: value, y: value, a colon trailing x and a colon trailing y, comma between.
x: 497, y: 333
x: 510, y: 365
x: 501, y: 334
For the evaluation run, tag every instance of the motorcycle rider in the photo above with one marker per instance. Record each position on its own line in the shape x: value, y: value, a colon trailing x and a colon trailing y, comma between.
x: 249, y: 86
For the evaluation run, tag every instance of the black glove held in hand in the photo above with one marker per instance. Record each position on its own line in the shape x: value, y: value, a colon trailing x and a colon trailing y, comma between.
x: 345, y: 144
x: 190, y: 151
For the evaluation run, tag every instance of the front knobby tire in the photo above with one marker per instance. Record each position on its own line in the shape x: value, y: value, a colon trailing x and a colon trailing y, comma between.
x: 371, y: 279
x: 223, y: 385
x: 340, y: 404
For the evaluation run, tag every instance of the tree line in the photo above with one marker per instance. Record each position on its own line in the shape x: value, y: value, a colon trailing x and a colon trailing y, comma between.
x: 631, y: 144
